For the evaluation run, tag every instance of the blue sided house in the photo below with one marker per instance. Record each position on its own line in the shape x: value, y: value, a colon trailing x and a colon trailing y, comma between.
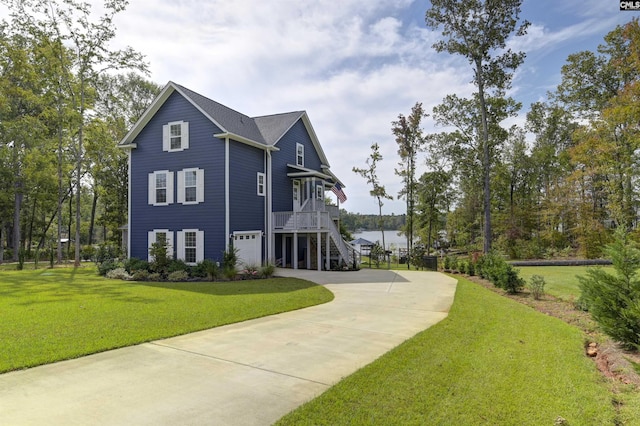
x: 205, y: 178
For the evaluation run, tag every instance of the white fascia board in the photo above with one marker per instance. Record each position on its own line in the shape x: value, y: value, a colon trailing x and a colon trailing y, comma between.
x: 245, y: 141
x: 148, y: 114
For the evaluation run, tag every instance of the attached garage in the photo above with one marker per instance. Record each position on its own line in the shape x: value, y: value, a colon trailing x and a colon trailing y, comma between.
x: 249, y: 246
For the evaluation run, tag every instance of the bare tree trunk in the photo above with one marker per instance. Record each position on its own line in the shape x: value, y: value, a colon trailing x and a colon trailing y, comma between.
x: 60, y: 198
x: 486, y: 159
x: 94, y: 206
x: 2, y: 242
x: 17, y: 235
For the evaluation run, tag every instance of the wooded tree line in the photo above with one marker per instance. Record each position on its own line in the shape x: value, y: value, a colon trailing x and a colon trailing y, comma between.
x: 65, y: 102
x: 561, y: 183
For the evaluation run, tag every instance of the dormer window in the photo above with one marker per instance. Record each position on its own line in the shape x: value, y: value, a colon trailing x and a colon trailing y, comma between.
x: 175, y: 136
x: 300, y: 155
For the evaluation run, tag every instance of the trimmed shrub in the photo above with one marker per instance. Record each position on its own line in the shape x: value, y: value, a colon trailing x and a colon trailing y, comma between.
x: 160, y: 256
x: 154, y: 276
x: 230, y: 272
x: 177, y: 276
x: 176, y: 265
x: 106, y: 266
x: 140, y: 275
x: 536, y: 286
x: 471, y: 268
x: 118, y: 274
x: 493, y: 267
x: 267, y: 270
x: 134, y: 264
x: 206, y: 269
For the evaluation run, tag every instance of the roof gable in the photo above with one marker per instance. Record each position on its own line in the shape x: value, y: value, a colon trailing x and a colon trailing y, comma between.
x: 264, y: 131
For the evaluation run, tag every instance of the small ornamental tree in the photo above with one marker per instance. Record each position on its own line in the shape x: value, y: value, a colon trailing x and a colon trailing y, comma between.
x: 614, y: 300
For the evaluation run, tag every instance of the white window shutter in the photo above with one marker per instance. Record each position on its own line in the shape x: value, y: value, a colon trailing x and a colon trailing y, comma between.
x: 169, y: 187
x: 152, y: 188
x: 166, y: 137
x: 181, y: 187
x: 185, y: 134
x: 199, y: 246
x: 180, y: 245
x: 151, y: 238
x: 200, y: 187
x: 170, y: 244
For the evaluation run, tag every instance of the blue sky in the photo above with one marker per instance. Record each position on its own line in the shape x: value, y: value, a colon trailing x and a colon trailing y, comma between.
x: 353, y: 65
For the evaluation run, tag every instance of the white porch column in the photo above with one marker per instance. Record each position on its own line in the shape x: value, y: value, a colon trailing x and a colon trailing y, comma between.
x: 284, y: 250
x: 319, y: 251
x: 294, y: 251
x: 328, y: 251
x: 308, y: 253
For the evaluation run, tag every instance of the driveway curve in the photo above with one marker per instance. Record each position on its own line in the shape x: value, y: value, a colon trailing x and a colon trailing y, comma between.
x: 249, y: 373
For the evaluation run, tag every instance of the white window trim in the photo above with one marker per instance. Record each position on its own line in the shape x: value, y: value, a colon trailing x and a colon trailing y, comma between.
x: 199, y: 186
x: 153, y: 237
x: 261, y: 187
x: 319, y: 192
x: 184, y: 136
x: 199, y: 245
x: 300, y: 147
x: 152, y: 188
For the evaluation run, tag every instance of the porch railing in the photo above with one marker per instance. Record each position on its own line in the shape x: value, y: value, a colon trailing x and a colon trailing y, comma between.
x: 297, y: 221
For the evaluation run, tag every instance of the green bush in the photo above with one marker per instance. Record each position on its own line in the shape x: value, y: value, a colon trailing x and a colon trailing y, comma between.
x: 176, y: 265
x: 446, y: 264
x: 493, y: 267
x: 118, y: 274
x: 88, y: 252
x: 160, y: 257
x: 177, y: 276
x: 106, y: 252
x: 267, y: 270
x: 206, y: 269
x: 471, y: 268
x: 614, y: 300
x: 230, y: 258
x: 107, y: 265
x: 154, y: 276
x: 230, y: 272
x: 22, y: 254
x: 134, y: 264
x: 536, y: 286
x: 140, y: 275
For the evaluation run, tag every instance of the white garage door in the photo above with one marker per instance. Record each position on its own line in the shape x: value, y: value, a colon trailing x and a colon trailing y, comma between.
x: 249, y: 245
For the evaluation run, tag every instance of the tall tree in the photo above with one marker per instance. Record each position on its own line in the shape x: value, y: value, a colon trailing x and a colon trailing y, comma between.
x: 478, y: 30
x: 74, y: 24
x: 378, y: 191
x: 410, y: 141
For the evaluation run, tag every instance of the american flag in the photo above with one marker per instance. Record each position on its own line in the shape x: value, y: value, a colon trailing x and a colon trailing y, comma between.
x: 337, y: 189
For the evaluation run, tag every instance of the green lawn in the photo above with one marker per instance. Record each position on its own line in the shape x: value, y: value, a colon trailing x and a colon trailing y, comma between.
x: 54, y: 314
x: 560, y: 281
x: 492, y: 361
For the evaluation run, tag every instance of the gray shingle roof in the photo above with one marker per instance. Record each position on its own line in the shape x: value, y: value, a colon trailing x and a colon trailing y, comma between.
x: 232, y: 121
x: 274, y: 126
x: 266, y: 129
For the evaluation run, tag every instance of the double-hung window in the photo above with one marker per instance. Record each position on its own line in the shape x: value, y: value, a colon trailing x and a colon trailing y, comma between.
x: 175, y: 136
x: 300, y: 155
x: 191, y: 246
x: 261, y: 184
x: 191, y: 186
x: 161, y: 188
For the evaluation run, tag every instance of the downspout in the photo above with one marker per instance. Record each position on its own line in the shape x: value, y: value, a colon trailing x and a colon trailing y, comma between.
x: 269, y: 213
x: 227, y: 226
x: 129, y: 228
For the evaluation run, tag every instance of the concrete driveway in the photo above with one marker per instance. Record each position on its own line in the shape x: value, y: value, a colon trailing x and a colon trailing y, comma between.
x: 250, y: 373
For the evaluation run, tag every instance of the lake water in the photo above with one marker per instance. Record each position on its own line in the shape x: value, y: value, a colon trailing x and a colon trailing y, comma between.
x: 390, y: 237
